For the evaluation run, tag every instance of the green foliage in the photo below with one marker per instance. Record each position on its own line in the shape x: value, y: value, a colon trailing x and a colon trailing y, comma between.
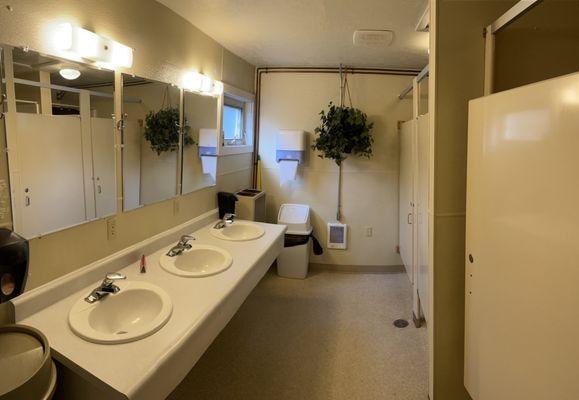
x: 343, y: 131
x: 162, y: 130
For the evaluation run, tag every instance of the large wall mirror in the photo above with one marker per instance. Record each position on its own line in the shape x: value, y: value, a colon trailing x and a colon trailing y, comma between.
x: 199, y: 142
x: 151, y: 136
x: 60, y: 136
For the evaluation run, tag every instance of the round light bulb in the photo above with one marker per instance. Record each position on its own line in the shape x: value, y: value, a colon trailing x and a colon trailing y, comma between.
x: 69, y: 73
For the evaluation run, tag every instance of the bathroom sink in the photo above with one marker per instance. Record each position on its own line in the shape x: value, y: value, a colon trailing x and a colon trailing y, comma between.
x: 138, y: 310
x: 201, y: 260
x: 239, y: 231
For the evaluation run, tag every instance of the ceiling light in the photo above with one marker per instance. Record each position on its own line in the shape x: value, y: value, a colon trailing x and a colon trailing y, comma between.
x: 69, y: 73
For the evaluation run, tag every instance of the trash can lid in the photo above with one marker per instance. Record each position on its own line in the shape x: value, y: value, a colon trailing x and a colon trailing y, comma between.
x: 296, y: 217
x: 24, y: 360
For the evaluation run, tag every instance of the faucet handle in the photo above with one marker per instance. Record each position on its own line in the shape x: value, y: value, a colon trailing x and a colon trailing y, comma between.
x: 185, y: 238
x: 113, y: 276
x: 229, y: 217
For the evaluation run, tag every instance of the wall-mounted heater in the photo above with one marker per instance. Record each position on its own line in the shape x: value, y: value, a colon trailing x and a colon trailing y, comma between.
x: 337, y: 236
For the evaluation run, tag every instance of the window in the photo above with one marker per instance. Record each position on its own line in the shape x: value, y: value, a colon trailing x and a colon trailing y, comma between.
x: 237, y: 124
x: 233, y: 129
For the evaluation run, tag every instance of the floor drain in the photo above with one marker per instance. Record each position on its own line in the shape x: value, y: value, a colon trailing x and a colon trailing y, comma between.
x: 400, y: 323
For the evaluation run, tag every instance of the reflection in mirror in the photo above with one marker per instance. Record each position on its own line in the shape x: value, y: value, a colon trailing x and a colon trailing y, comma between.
x: 150, y: 141
x: 60, y: 133
x: 200, y: 158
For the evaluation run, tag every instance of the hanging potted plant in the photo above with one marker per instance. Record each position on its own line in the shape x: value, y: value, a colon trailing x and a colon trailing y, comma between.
x: 162, y: 130
x: 343, y: 131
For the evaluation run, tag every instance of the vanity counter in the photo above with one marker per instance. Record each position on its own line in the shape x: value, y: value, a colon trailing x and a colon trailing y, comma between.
x: 152, y: 367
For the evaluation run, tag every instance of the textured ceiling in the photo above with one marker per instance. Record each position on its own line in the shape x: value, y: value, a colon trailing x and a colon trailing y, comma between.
x: 310, y: 32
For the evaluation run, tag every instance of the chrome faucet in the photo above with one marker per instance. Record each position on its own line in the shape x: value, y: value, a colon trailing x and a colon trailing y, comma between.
x: 106, y: 287
x: 227, y: 219
x: 181, y: 246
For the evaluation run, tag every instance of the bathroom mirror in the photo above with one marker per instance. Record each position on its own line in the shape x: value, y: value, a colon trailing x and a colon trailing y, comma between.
x: 199, y: 142
x: 151, y: 134
x: 60, y: 136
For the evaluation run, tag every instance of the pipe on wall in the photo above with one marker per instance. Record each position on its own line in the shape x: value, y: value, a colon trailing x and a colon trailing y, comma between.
x: 307, y: 70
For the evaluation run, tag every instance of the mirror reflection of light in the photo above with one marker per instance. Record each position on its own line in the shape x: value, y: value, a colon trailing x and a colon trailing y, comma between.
x: 571, y: 96
x: 69, y: 73
x: 527, y: 126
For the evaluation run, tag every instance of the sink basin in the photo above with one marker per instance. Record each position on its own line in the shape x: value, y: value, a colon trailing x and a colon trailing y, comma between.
x: 138, y: 310
x: 238, y: 231
x: 201, y: 260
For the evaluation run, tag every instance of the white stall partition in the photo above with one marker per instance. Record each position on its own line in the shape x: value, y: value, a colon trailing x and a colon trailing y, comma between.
x: 422, y: 210
x: 51, y: 180
x: 522, y: 243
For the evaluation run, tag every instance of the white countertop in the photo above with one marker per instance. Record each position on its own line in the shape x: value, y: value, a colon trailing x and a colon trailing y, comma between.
x: 152, y: 367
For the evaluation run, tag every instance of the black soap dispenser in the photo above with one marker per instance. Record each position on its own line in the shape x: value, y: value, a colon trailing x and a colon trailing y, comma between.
x: 226, y: 203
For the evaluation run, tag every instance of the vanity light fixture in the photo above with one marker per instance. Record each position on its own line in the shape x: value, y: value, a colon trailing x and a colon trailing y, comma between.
x: 192, y: 81
x: 196, y: 82
x: 69, y: 73
x: 217, y: 88
x: 77, y: 43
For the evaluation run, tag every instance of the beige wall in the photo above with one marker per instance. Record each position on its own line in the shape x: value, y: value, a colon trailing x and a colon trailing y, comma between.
x: 541, y: 44
x: 456, y: 76
x: 164, y: 45
x: 370, y: 187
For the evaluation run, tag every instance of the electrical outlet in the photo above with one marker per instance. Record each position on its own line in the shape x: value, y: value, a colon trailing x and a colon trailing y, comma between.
x: 176, y: 207
x: 111, y: 228
x: 369, y: 231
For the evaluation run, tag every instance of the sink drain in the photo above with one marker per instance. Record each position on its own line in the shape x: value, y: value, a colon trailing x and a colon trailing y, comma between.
x: 400, y: 323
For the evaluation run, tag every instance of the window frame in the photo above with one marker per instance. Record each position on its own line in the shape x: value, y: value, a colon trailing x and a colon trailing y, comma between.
x: 238, y: 98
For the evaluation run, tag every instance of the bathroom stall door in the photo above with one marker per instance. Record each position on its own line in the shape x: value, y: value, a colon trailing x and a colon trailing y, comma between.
x: 522, y: 243
x: 103, y: 149
x: 422, y: 210
x: 52, y: 182
x: 406, y: 196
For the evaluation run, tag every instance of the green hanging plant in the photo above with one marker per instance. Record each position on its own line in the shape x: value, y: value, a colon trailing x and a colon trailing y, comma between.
x: 343, y: 131
x: 162, y: 130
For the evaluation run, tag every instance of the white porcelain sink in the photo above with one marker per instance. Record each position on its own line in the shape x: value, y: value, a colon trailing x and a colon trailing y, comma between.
x: 201, y: 260
x: 238, y: 231
x: 138, y: 310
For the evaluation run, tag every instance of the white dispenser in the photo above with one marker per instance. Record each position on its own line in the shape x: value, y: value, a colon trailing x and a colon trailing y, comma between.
x: 208, y: 151
x: 290, y: 152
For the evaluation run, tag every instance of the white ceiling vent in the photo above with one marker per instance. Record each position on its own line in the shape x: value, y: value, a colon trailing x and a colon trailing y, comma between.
x: 373, y: 38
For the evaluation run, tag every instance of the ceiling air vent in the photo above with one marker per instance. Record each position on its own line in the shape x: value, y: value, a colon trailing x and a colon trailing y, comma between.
x: 373, y: 38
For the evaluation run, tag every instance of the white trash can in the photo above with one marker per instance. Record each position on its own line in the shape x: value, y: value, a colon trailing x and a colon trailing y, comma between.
x: 294, y: 259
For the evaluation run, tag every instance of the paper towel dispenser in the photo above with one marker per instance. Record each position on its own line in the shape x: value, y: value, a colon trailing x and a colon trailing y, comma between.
x: 290, y: 146
x: 207, y: 142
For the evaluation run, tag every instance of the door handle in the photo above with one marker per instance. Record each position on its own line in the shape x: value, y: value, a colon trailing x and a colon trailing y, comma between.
x: 409, y: 218
x: 99, y: 189
x: 27, y: 201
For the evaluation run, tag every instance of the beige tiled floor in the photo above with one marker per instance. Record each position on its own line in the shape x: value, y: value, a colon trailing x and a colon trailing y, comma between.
x: 327, y: 337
